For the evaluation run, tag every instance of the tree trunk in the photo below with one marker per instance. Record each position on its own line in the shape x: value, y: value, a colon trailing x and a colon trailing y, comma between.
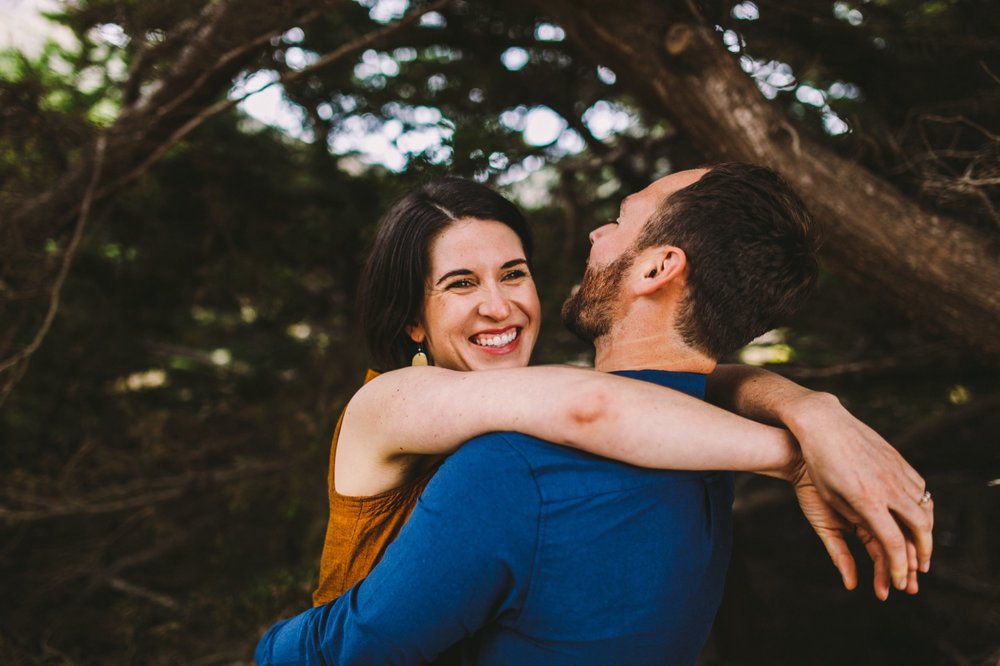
x: 938, y: 271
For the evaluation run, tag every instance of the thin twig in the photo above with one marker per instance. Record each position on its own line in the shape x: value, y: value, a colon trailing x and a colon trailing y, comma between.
x: 959, y: 120
x: 134, y: 590
x: 929, y: 353
x: 989, y: 72
x: 220, y: 62
x: 56, y: 291
x: 941, y: 426
x: 125, y: 498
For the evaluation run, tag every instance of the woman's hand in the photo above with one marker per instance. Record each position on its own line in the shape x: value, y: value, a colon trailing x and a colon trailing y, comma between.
x: 852, y: 468
x: 864, y: 479
x: 832, y: 529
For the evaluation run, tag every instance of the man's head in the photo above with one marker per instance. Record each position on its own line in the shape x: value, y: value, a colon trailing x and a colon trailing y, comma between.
x: 734, y: 243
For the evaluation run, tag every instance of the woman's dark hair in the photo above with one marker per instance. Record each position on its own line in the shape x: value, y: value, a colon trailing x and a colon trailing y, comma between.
x: 391, y: 292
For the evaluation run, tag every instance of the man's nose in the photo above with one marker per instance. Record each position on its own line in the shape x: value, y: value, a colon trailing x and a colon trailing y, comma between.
x: 598, y: 232
x: 495, y: 304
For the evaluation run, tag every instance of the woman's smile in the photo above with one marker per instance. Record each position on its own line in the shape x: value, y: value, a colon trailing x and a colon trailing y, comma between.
x: 481, y: 309
x: 498, y: 341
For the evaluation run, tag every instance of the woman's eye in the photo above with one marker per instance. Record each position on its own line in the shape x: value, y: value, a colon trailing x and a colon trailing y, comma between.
x: 515, y: 275
x: 460, y: 284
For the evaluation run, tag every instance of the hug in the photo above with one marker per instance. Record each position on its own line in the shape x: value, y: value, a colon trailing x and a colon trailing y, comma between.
x: 487, y: 512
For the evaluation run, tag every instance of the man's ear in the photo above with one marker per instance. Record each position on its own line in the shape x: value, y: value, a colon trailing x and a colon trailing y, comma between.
x: 660, y: 267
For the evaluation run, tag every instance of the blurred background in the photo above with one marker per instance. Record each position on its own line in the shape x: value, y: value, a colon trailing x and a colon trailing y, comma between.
x: 188, y: 189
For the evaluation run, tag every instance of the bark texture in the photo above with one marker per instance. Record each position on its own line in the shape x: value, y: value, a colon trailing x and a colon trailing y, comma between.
x: 938, y: 271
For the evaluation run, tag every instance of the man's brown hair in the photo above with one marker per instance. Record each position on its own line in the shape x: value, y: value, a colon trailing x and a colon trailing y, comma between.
x: 751, y: 249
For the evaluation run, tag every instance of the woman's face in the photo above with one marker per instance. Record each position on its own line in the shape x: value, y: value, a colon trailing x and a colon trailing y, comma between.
x: 481, y: 309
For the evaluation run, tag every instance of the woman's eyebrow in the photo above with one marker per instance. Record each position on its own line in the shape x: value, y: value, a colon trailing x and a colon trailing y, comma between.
x: 466, y: 271
x: 451, y: 274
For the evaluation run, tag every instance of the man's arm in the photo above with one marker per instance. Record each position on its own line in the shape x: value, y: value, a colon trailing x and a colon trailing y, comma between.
x: 456, y: 566
x: 854, y: 469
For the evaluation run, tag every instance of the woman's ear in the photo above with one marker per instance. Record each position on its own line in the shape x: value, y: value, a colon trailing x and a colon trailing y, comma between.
x: 416, y: 333
x: 660, y: 267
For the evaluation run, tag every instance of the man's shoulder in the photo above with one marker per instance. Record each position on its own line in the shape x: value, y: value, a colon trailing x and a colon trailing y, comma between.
x: 494, y: 453
x: 530, y: 451
x: 521, y: 460
x: 562, y: 472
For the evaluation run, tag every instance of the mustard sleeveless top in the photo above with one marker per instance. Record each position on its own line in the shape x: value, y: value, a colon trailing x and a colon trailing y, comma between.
x: 360, y: 528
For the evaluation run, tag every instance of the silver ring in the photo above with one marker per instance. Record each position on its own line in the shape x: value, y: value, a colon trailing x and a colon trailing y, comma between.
x: 925, y: 498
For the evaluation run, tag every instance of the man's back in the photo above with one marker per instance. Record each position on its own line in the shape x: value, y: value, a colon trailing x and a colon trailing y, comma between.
x: 627, y: 567
x: 525, y: 552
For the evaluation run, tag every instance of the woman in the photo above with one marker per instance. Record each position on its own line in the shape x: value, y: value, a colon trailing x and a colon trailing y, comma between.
x: 449, y: 278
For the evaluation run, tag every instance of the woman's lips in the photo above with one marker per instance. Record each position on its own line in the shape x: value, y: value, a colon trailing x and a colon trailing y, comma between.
x: 498, y: 342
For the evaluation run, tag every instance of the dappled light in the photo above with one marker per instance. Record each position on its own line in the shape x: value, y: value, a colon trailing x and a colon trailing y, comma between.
x: 769, y: 349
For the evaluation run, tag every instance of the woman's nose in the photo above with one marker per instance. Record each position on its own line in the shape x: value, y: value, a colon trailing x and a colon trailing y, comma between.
x: 495, y: 304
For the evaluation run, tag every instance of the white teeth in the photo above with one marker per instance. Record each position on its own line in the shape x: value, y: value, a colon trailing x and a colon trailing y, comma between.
x: 496, y: 340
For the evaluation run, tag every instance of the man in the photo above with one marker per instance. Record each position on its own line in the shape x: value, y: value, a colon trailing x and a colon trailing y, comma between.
x: 523, y: 552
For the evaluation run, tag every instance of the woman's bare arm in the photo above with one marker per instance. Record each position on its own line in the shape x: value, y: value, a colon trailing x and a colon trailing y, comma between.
x: 432, y: 411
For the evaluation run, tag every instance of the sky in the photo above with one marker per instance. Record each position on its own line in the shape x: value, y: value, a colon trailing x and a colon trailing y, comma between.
x: 23, y: 26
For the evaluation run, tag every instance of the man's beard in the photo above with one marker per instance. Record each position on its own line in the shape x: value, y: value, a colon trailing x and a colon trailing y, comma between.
x: 590, y: 312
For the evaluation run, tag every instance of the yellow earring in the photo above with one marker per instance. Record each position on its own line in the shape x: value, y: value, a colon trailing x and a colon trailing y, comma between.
x: 420, y: 358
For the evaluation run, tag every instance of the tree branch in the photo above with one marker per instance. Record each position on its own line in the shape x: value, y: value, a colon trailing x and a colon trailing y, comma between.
x: 158, y: 598
x: 224, y: 105
x: 935, y: 269
x: 933, y: 428
x: 907, y: 359
x: 163, y: 109
x: 56, y: 291
x: 125, y: 497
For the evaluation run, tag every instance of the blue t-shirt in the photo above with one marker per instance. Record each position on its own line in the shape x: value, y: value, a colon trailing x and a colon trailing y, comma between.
x: 524, y: 552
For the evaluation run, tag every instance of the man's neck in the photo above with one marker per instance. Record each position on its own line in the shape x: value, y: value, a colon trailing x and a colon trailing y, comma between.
x: 623, y: 350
